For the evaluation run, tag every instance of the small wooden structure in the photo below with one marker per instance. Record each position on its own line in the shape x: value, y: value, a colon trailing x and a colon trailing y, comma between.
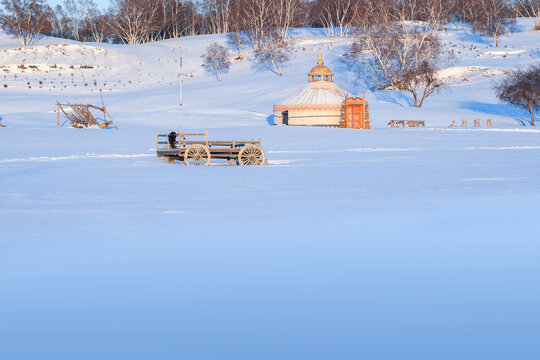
x: 355, y: 113
x: 200, y: 151
x: 477, y: 123
x: 80, y: 115
x: 404, y: 123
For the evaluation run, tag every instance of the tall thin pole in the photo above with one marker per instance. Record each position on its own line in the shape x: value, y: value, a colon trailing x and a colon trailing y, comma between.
x: 181, y: 85
x: 102, y: 105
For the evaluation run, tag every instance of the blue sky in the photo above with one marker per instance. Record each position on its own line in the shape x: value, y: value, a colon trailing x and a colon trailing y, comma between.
x: 103, y: 4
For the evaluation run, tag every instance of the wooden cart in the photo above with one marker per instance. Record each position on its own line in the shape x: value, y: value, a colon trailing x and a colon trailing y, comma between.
x: 200, y: 151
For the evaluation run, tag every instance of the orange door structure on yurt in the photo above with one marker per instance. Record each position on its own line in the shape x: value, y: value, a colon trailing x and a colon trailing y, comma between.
x: 355, y: 113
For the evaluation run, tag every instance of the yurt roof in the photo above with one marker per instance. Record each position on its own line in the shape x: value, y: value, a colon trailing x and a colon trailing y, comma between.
x: 320, y: 70
x: 317, y: 93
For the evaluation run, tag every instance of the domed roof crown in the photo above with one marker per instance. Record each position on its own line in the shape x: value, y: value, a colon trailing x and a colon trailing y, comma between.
x: 321, y: 72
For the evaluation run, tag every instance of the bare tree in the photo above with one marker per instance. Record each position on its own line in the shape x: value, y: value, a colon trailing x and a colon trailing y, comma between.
x: 529, y: 9
x: 286, y: 15
x: 422, y: 81
x: 236, y: 37
x: 194, y: 21
x: 336, y: 14
x: 27, y: 19
x: 438, y: 13
x: 275, y: 52
x: 499, y: 17
x: 73, y: 11
x: 487, y: 17
x: 218, y: 13
x: 60, y: 23
x: 216, y: 59
x: 403, y: 10
x: 521, y: 88
x: 470, y: 12
x: 236, y: 40
x: 88, y: 12
x: 306, y: 13
x: 256, y: 20
x: 177, y: 18
x: 97, y: 26
x: 134, y: 21
x: 399, y: 56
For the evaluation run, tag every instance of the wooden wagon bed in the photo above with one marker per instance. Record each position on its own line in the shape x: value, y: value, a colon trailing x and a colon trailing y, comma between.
x: 200, y: 151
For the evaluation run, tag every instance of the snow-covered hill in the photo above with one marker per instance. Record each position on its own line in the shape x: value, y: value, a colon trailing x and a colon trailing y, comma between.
x: 144, y: 79
x: 351, y: 244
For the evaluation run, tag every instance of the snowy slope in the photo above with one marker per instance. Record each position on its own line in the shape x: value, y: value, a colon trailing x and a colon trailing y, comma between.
x: 379, y: 244
x: 134, y: 77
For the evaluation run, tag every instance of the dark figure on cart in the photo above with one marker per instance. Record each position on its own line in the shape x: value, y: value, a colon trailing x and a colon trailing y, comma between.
x: 172, y: 140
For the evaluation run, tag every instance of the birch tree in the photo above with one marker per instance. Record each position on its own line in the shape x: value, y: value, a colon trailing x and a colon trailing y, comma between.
x: 401, y: 57
x: 97, y: 25
x: 336, y: 14
x: 27, y: 19
x: 218, y: 14
x: 133, y: 21
x: 256, y: 20
x: 216, y: 59
x: 286, y: 15
x: 60, y: 23
x: 491, y: 18
x: 437, y: 12
x: 497, y: 20
x: 73, y: 10
x: 178, y: 18
x: 529, y: 9
x: 275, y: 52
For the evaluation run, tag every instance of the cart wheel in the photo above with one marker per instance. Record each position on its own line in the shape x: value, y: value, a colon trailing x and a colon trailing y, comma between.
x: 178, y: 161
x: 251, y: 155
x: 197, y: 154
x: 232, y: 161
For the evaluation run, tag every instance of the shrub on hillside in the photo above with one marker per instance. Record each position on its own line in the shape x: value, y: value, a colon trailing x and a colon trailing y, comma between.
x: 216, y: 59
x: 275, y: 52
x: 521, y: 88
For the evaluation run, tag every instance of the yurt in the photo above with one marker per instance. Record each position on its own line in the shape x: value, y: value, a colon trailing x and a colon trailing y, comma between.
x: 319, y: 103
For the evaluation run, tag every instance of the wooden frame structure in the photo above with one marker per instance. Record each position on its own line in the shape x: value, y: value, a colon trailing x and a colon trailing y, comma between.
x: 477, y: 123
x: 81, y: 115
x: 409, y: 123
x: 178, y: 149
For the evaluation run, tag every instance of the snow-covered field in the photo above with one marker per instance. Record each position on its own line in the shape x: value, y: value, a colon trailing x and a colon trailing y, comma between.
x: 380, y: 244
